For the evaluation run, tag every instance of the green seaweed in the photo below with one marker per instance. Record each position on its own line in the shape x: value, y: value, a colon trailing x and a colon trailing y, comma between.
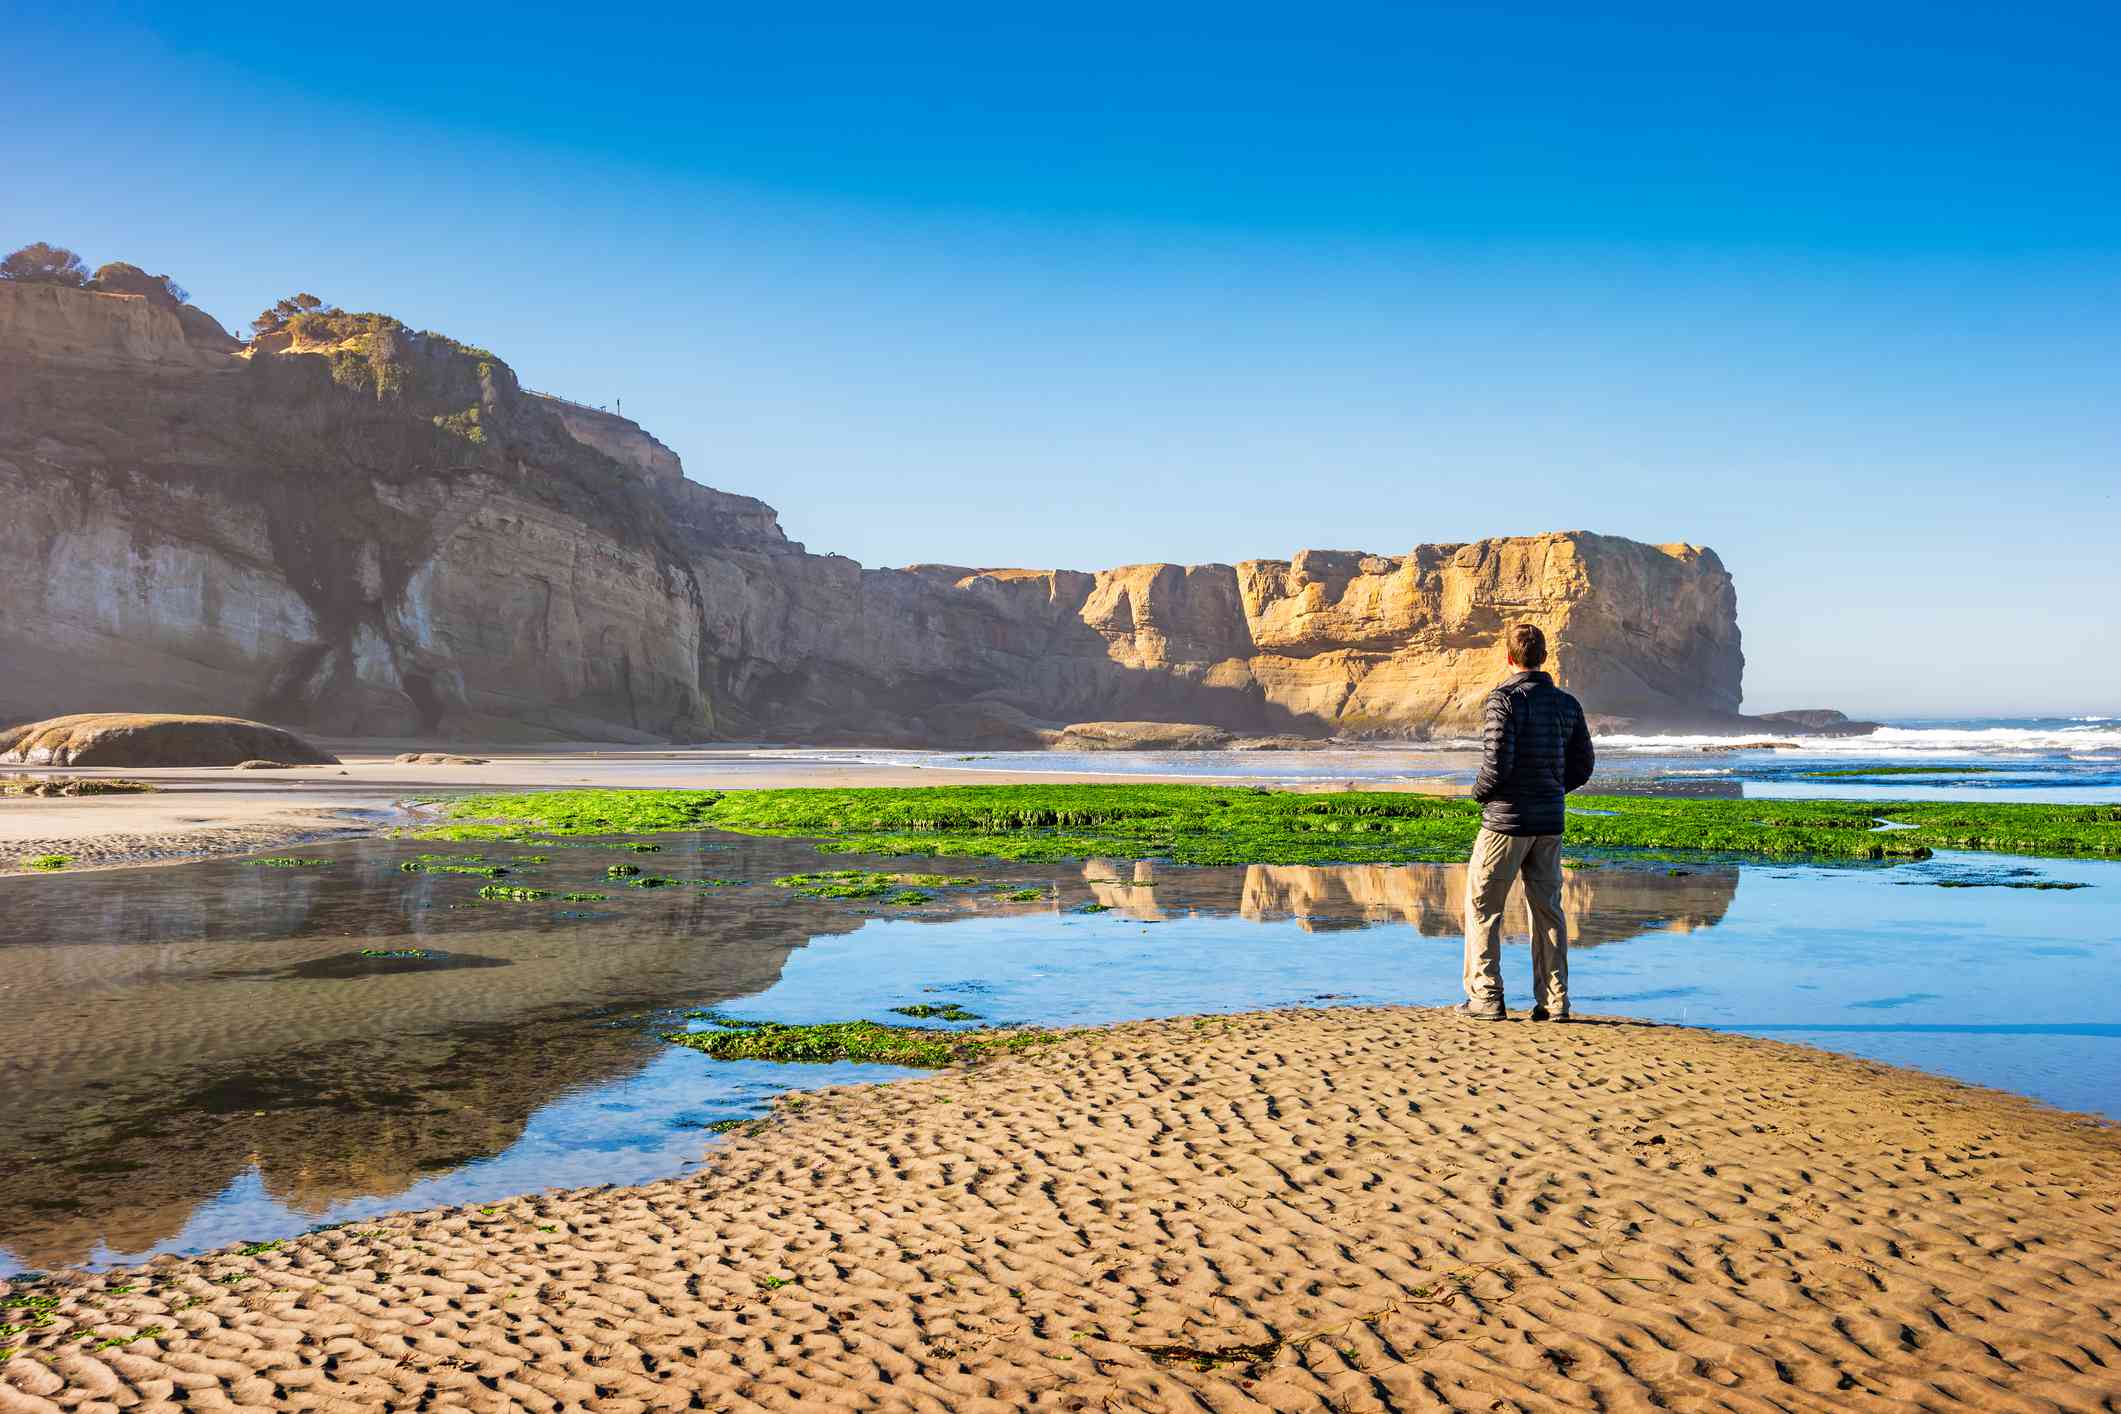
x: 513, y: 894
x: 48, y: 863
x: 583, y: 898
x: 921, y: 1047
x: 929, y: 1011
x: 652, y: 881
x: 1217, y: 825
x: 622, y: 871
x: 286, y: 861
x: 25, y: 784
x: 869, y: 883
x: 718, y: 883
x: 577, y: 812
x: 396, y: 952
x: 840, y: 883
x: 1022, y: 895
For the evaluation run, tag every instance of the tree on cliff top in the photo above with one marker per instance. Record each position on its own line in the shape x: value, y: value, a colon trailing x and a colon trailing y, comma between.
x: 121, y: 278
x: 273, y: 320
x: 42, y: 263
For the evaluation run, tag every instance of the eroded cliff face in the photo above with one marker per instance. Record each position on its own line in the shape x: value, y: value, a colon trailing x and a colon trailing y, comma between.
x: 1337, y: 643
x: 363, y: 530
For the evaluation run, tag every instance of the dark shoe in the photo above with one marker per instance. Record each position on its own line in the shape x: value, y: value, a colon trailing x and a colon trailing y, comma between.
x: 1497, y: 1012
x: 1540, y: 1013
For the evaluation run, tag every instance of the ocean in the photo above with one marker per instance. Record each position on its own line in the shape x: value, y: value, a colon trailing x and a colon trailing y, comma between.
x: 2063, y: 760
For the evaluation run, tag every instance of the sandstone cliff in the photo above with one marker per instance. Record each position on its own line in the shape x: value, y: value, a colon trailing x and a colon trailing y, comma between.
x: 1329, y: 642
x: 362, y: 529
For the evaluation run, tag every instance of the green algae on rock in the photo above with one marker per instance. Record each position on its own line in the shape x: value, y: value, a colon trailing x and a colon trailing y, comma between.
x: 840, y: 883
x: 481, y: 871
x: 922, y: 1047
x: 26, y: 785
x: 929, y: 1011
x: 1188, y: 824
x: 576, y: 812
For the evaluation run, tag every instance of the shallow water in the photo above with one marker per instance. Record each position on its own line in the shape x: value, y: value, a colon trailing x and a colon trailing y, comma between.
x: 221, y: 1051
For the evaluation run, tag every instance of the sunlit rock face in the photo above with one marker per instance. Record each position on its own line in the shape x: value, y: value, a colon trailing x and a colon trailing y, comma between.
x: 1328, y: 643
x: 361, y: 529
x: 349, y: 527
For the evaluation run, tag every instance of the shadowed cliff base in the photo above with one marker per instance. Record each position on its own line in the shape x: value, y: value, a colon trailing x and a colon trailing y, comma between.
x: 353, y: 527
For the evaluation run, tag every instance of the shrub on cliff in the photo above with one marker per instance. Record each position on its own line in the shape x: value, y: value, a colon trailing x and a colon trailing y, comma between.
x: 285, y: 312
x: 42, y: 263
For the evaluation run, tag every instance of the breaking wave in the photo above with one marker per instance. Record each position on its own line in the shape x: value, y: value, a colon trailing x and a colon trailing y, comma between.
x: 2081, y: 735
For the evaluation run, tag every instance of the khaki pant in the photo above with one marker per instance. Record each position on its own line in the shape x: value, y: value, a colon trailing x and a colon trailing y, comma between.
x: 1497, y: 862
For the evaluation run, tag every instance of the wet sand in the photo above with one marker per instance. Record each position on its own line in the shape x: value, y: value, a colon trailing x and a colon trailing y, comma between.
x: 204, y: 812
x: 175, y: 1031
x: 1342, y: 1210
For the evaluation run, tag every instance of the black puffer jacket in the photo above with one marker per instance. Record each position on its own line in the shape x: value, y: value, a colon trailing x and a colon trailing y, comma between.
x: 1535, y: 749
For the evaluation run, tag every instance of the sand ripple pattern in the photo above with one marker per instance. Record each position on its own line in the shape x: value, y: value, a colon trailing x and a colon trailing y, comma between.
x: 1338, y: 1210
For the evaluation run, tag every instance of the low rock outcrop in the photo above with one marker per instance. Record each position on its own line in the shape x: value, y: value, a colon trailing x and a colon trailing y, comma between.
x: 364, y: 529
x: 156, y: 739
x: 1816, y: 721
x: 1139, y: 736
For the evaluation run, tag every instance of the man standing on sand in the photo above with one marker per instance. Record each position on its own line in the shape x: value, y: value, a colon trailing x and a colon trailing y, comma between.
x: 1535, y: 749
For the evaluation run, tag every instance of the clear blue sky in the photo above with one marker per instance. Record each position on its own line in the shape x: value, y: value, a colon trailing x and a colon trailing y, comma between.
x: 1832, y: 289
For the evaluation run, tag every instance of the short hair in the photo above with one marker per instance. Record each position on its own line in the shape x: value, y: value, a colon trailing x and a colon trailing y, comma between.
x: 1528, y: 646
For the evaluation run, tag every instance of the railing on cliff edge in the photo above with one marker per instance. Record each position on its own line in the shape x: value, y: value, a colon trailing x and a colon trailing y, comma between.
x: 575, y: 403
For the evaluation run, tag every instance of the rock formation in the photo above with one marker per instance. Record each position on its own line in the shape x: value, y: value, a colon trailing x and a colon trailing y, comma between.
x: 155, y: 739
x: 365, y: 530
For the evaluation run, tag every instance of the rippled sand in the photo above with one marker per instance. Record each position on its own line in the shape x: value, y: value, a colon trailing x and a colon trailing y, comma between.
x: 1360, y: 1209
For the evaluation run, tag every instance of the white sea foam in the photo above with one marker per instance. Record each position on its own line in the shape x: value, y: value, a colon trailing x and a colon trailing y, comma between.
x: 1913, y: 742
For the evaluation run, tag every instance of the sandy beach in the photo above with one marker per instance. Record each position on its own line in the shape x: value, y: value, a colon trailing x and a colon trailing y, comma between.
x: 1340, y: 1210
x: 199, y: 813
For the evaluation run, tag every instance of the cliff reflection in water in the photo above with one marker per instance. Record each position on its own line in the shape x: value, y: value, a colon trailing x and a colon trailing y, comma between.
x: 167, y: 1033
x: 1602, y: 905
